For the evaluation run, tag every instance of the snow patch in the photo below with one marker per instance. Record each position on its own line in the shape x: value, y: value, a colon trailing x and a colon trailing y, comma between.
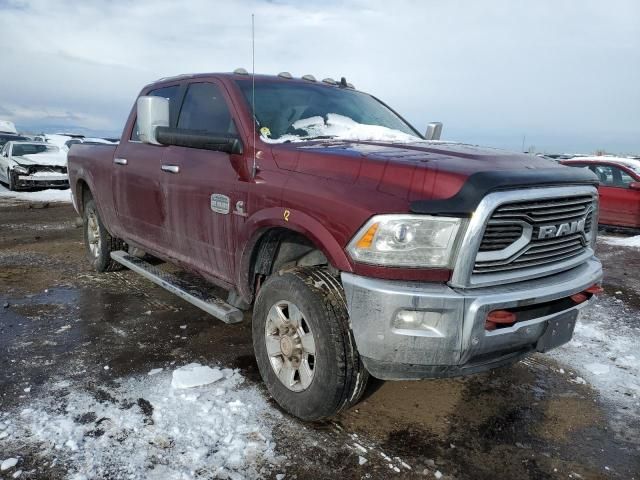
x: 604, y: 351
x: 597, y: 368
x: 8, y: 463
x: 50, y: 195
x: 195, y: 375
x: 621, y: 241
x: 146, y: 429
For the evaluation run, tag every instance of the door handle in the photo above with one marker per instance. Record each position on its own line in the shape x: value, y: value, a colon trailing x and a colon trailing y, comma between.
x: 120, y: 161
x: 170, y: 168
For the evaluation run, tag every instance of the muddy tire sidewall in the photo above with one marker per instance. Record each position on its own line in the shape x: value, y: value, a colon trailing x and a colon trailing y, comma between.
x: 102, y: 261
x: 331, y: 387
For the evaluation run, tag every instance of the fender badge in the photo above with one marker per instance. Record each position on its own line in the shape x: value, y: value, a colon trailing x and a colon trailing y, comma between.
x: 240, y: 209
x: 220, y: 203
x: 286, y: 215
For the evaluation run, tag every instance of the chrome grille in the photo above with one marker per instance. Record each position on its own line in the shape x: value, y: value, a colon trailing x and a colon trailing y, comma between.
x: 505, y: 228
x: 499, y: 236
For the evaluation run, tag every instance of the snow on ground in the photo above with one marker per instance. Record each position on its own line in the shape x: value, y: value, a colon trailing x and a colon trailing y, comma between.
x: 145, y: 428
x: 50, y: 195
x: 621, y: 241
x: 605, y: 351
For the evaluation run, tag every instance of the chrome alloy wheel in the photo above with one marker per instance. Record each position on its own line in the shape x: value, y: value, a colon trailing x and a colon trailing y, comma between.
x: 290, y: 346
x: 93, y: 233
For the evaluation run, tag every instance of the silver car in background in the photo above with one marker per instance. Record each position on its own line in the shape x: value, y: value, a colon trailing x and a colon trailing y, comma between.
x: 25, y: 165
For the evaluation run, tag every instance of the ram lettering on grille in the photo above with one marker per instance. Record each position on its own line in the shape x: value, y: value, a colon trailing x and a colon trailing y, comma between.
x: 526, y: 234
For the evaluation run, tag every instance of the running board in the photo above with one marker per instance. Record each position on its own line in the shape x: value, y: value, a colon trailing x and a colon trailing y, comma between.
x: 191, y: 293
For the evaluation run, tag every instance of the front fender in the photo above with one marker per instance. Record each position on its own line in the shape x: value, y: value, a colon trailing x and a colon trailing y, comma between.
x: 293, y: 220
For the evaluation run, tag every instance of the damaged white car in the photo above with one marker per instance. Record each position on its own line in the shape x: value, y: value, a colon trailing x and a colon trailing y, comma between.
x: 26, y: 165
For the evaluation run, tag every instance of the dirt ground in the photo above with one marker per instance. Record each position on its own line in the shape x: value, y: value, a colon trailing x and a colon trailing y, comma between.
x: 522, y: 422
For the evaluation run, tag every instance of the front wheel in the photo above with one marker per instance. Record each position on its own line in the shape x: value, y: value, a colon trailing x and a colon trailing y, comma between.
x: 98, y: 241
x: 304, y: 348
x: 11, y: 180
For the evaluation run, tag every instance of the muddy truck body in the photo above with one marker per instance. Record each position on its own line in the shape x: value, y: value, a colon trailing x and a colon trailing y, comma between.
x: 365, y: 249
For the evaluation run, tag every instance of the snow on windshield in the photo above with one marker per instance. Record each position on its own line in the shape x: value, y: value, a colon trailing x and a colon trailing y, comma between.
x: 340, y: 127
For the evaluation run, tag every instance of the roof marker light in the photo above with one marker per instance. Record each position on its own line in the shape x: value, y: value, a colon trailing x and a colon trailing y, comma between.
x: 241, y: 71
x: 309, y: 78
x: 330, y: 81
x: 285, y: 75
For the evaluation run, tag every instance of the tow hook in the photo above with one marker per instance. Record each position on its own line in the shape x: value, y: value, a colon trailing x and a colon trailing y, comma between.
x: 587, y: 294
x: 499, y: 317
x: 505, y: 318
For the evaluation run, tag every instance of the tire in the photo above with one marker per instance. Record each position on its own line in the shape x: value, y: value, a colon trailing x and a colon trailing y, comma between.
x: 99, y: 241
x: 11, y: 181
x: 327, y: 382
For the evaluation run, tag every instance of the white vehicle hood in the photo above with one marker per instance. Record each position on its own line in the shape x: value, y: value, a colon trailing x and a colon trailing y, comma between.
x: 57, y: 159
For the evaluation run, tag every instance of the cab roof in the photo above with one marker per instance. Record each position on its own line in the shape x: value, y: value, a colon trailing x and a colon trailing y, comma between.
x: 241, y: 74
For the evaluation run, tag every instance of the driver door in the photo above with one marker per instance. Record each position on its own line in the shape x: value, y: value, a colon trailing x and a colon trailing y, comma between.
x: 201, y: 186
x: 618, y: 203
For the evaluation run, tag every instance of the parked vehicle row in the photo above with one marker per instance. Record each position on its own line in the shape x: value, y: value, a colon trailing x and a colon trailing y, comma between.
x: 37, y: 161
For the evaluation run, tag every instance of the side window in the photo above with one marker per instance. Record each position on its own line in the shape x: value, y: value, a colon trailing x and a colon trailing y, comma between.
x: 170, y: 93
x: 205, y: 110
x: 612, y: 176
x: 604, y: 173
x: 626, y: 179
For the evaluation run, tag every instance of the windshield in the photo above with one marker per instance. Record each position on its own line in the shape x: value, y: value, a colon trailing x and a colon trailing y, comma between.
x: 289, y: 112
x: 632, y: 164
x: 7, y: 138
x: 20, y: 149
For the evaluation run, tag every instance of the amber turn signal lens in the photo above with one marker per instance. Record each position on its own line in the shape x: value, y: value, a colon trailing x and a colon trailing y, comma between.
x: 367, y: 238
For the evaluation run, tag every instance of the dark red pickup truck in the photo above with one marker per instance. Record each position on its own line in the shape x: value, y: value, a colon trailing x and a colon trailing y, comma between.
x: 364, y: 249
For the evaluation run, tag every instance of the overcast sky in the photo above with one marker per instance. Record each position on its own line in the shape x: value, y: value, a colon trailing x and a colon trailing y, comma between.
x: 564, y: 73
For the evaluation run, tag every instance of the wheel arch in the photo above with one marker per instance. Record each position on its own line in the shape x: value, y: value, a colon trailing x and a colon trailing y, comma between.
x: 272, y: 242
x: 82, y: 194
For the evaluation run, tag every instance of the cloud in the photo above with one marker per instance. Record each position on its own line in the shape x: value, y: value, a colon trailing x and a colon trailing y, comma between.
x: 564, y: 74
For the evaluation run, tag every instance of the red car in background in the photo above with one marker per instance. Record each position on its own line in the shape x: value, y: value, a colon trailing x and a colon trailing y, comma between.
x: 619, y: 188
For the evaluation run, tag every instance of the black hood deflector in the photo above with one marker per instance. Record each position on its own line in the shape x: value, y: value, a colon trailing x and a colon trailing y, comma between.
x: 478, y: 185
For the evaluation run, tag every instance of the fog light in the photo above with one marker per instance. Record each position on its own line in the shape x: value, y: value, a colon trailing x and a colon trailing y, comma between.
x: 424, y: 321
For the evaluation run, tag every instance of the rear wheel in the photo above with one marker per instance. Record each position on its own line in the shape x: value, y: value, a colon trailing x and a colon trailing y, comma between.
x: 304, y: 348
x: 98, y: 241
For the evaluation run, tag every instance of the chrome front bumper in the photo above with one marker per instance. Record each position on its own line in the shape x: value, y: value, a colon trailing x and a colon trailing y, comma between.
x: 447, y: 336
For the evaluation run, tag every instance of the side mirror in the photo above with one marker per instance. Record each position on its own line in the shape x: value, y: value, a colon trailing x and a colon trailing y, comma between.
x: 197, y: 139
x: 634, y: 186
x: 153, y: 112
x: 434, y: 130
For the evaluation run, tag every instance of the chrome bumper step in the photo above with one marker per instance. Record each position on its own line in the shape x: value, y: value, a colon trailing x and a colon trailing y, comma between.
x: 191, y: 293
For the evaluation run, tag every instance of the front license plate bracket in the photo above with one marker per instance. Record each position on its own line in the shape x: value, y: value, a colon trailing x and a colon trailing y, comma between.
x: 558, y: 332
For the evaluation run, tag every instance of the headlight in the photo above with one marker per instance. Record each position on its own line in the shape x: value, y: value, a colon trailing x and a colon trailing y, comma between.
x: 21, y: 169
x: 406, y: 241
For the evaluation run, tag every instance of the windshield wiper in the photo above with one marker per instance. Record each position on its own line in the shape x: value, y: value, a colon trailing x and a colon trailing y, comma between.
x: 319, y: 137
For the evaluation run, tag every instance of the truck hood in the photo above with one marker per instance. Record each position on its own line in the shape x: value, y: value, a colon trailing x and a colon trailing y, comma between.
x: 421, y: 170
x: 58, y: 159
